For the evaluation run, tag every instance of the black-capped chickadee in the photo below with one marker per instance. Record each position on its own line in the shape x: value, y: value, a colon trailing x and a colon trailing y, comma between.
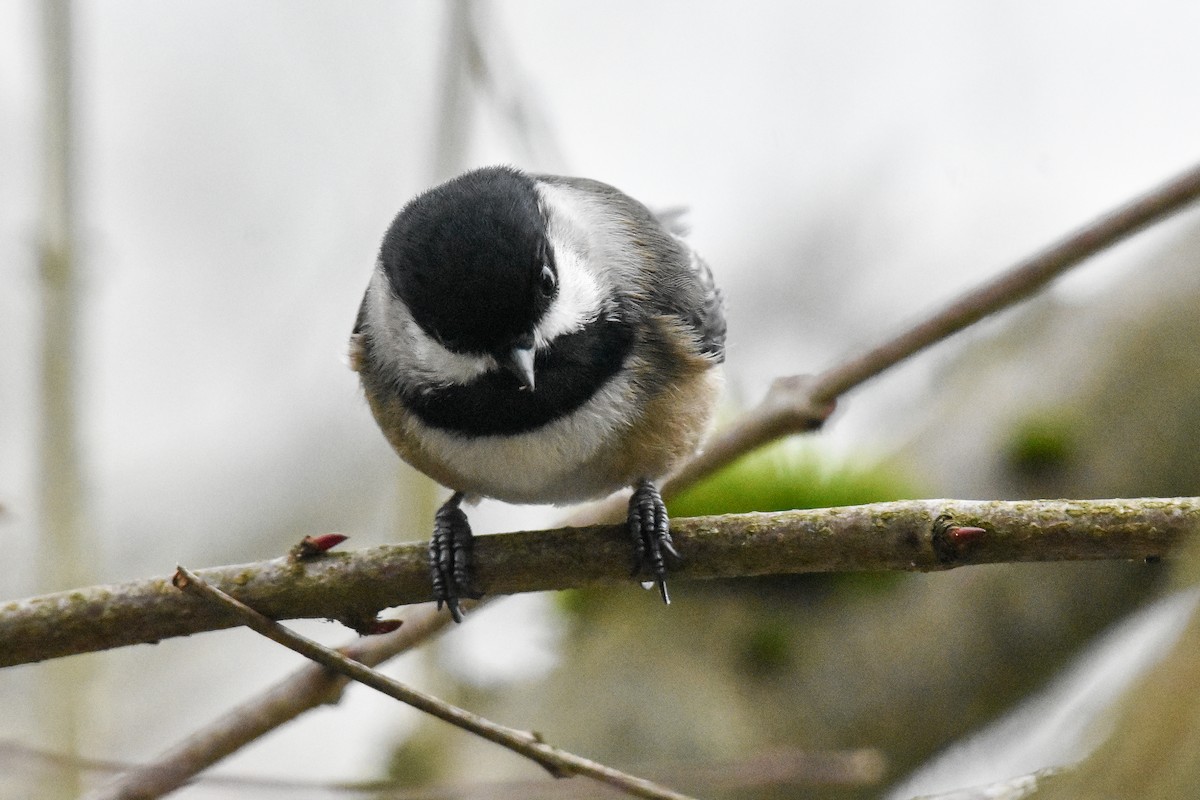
x: 538, y: 339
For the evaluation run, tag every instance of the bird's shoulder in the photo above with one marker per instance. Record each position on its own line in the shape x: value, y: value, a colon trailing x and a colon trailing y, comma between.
x: 677, y: 282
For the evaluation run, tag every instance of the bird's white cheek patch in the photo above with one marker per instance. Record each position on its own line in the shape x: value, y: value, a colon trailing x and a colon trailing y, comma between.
x: 412, y: 351
x: 440, y: 365
x: 581, y: 297
x: 578, y: 302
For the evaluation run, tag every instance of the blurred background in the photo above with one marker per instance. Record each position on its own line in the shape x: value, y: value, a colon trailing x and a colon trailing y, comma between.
x: 174, y: 386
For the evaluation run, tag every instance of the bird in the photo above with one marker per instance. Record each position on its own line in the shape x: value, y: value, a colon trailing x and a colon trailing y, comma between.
x: 539, y: 339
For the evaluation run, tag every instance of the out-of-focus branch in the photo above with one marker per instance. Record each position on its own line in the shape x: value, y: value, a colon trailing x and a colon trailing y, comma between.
x: 60, y: 504
x: 904, y: 535
x: 307, y: 688
x: 556, y: 761
x: 478, y: 57
x: 61, y: 563
x: 773, y: 768
x: 800, y: 403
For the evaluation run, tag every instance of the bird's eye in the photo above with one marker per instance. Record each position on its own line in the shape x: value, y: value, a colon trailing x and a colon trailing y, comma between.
x: 547, y: 281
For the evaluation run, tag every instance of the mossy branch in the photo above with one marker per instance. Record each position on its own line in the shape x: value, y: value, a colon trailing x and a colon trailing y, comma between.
x: 911, y: 535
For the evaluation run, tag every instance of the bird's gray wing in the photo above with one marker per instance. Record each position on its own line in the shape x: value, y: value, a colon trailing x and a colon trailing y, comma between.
x: 709, y: 318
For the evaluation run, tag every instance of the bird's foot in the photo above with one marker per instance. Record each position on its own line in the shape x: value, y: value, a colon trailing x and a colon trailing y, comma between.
x: 651, y: 533
x: 450, y: 557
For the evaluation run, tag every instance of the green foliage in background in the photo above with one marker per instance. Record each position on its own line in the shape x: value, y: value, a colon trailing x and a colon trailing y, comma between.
x: 790, y: 474
x: 1042, y: 443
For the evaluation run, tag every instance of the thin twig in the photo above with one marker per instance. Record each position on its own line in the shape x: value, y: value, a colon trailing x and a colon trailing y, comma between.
x: 307, y: 688
x: 558, y: 762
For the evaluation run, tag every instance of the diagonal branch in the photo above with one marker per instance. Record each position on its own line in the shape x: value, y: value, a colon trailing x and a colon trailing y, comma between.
x: 905, y: 535
x: 559, y: 763
x: 305, y: 689
x: 800, y: 403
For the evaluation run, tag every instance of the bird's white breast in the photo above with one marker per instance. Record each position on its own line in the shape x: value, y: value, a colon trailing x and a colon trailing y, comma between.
x: 551, y: 464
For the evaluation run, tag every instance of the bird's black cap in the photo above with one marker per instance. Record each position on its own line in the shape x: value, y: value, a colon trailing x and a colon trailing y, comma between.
x: 469, y: 259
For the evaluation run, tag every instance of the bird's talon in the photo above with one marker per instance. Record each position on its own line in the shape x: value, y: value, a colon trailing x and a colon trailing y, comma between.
x: 669, y: 547
x: 649, y: 527
x: 450, y: 550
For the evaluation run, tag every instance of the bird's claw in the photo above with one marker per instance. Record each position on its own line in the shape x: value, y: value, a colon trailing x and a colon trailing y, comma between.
x: 650, y: 529
x: 450, y: 551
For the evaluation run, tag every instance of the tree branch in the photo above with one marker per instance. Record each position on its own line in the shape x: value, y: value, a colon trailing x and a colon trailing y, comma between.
x: 557, y: 762
x: 354, y: 586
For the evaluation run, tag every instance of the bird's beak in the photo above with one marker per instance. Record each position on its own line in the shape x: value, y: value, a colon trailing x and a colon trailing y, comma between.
x: 520, y: 364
